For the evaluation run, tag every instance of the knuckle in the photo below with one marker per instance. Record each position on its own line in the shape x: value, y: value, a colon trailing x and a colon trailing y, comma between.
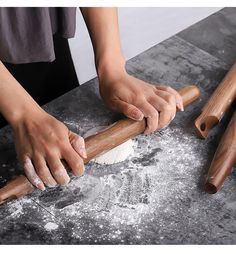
x: 41, y: 171
x: 57, y: 169
x: 168, y: 88
x: 50, y: 151
x: 140, y: 100
x: 62, y: 142
x: 162, y: 106
x: 45, y: 176
x: 65, y: 147
x: 169, y: 108
x: 170, y: 98
x: 152, y: 99
x: 154, y: 114
x: 36, y: 155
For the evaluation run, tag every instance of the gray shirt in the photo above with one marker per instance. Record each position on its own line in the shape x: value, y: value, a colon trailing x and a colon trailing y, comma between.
x: 26, y: 34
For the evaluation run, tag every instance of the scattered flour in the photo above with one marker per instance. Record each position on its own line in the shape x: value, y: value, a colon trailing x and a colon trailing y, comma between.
x: 107, y: 203
x: 51, y: 226
x: 16, y: 207
x: 144, y: 191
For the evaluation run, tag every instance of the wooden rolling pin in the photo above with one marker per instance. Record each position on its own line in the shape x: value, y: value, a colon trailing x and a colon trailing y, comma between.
x: 217, y: 105
x: 224, y: 159
x: 103, y: 141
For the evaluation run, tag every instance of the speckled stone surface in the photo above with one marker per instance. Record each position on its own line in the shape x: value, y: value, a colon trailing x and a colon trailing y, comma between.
x: 156, y: 196
x: 215, y: 34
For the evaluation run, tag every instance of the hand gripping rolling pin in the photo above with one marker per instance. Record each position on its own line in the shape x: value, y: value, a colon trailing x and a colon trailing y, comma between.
x: 224, y: 159
x: 218, y: 103
x: 96, y: 144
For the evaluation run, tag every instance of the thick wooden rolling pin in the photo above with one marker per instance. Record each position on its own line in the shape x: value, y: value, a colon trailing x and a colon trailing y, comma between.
x: 218, y: 103
x: 224, y: 159
x: 103, y: 141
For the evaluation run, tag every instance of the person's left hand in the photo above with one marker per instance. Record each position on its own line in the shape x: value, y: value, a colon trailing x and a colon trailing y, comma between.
x: 137, y: 99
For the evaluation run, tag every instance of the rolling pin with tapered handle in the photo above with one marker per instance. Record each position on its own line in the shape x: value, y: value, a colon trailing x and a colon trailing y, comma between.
x: 96, y: 144
x: 217, y: 105
x: 224, y: 159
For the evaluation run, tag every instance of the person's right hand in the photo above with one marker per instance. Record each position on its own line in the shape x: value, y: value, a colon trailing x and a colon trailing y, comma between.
x: 42, y: 142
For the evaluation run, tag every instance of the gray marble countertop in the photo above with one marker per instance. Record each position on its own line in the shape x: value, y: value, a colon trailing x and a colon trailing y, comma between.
x: 156, y: 196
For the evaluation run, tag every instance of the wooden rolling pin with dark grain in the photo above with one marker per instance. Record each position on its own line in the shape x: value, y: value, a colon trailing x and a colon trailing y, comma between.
x: 103, y: 141
x: 224, y: 159
x: 217, y: 105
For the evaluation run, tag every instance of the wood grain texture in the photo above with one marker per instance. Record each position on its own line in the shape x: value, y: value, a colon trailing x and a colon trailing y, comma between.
x: 224, y: 159
x: 218, y: 104
x: 105, y: 140
x: 18, y: 187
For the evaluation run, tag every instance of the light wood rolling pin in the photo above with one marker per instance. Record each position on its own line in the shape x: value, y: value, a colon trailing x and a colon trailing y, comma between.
x: 103, y: 141
x: 224, y: 159
x: 218, y: 104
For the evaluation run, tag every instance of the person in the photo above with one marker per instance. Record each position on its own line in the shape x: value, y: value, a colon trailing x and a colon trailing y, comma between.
x: 30, y: 47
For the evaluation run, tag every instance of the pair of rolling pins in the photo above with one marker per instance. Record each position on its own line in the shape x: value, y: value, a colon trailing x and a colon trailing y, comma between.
x: 105, y: 140
x: 225, y: 155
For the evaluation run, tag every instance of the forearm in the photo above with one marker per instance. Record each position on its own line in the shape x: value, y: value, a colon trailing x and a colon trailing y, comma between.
x: 15, y: 102
x: 102, y: 24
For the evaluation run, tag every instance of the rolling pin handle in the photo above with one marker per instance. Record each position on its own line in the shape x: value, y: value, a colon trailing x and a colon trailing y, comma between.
x: 16, y: 188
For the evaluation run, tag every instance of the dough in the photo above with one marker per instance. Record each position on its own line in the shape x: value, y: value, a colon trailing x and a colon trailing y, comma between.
x: 115, y: 155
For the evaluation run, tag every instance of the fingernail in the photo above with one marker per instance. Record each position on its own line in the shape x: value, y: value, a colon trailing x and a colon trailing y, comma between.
x: 80, y: 149
x: 41, y: 186
x: 64, y: 184
x: 146, y: 132
x: 83, y: 152
x: 51, y: 185
x: 136, y: 115
x: 82, y: 170
x: 139, y: 119
x: 180, y: 106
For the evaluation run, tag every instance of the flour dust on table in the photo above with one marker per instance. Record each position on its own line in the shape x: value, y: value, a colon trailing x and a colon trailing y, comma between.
x: 115, y: 155
x: 51, y: 226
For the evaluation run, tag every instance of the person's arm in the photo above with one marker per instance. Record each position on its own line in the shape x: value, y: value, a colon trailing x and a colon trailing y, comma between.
x: 15, y: 102
x: 41, y: 141
x: 122, y: 92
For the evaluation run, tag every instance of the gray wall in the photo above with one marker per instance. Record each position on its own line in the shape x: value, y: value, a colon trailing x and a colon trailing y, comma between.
x: 140, y: 28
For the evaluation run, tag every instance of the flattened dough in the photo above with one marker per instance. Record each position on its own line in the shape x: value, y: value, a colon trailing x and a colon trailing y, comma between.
x: 115, y: 155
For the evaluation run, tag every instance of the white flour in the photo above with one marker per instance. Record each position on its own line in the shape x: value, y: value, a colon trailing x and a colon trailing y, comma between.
x: 161, y: 171
x: 51, y: 226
